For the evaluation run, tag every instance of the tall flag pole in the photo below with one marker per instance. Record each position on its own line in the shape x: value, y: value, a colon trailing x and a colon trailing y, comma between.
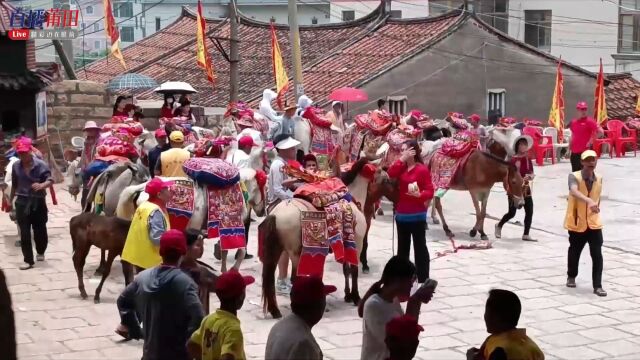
x: 600, y: 113
x: 112, y: 32
x: 280, y: 73
x: 556, y: 115
x: 203, y: 57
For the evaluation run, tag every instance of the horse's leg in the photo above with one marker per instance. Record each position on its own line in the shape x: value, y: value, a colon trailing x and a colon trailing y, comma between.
x: 100, y: 268
x: 347, y: 290
x: 355, y: 294
x: 438, y: 204
x: 433, y: 214
x: 223, y: 258
x: 476, y: 206
x: 270, y: 303
x: 483, y: 213
x: 105, y: 272
x: 79, y: 257
x: 295, y: 260
x: 127, y: 271
x: 241, y: 253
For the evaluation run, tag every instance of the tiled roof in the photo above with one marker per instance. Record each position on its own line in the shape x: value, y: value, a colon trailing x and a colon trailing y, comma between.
x: 622, y: 94
x: 5, y: 13
x: 170, y: 54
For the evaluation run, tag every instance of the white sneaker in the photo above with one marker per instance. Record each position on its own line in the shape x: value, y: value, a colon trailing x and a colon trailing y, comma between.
x: 498, y: 231
x: 282, y: 287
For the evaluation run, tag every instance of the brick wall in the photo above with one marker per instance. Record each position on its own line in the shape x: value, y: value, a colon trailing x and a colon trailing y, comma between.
x: 70, y: 104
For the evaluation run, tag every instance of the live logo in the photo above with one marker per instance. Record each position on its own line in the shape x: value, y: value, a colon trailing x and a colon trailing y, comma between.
x: 19, y: 34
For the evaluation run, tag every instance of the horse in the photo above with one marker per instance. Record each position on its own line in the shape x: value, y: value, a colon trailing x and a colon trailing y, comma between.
x: 108, y: 233
x: 127, y: 203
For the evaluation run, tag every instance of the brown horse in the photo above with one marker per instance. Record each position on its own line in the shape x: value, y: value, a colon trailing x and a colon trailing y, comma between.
x: 108, y: 233
x: 478, y: 175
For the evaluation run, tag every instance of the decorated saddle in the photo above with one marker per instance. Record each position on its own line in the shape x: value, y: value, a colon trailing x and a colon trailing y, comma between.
x: 372, y: 126
x: 212, y: 172
x: 117, y: 123
x: 451, y: 157
x: 245, y: 117
x: 321, y: 137
x: 395, y: 138
x: 183, y: 124
x: 322, y: 193
x: 118, y: 143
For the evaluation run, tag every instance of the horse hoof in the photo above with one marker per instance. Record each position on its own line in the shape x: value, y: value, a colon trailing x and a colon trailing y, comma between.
x: 356, y: 299
x: 96, y: 300
x: 98, y: 272
x: 347, y: 298
x: 365, y: 270
x: 473, y: 232
x: 436, y: 221
x: 449, y: 234
x: 83, y: 295
x: 216, y: 252
x: 484, y: 237
x: 276, y: 314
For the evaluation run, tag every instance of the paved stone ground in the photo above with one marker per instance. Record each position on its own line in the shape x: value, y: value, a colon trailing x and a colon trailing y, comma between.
x: 54, y: 323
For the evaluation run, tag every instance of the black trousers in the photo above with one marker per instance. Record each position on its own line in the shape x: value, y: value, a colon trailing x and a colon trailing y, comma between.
x: 414, y: 230
x: 528, y: 214
x: 577, y: 241
x: 576, y: 163
x: 32, y: 213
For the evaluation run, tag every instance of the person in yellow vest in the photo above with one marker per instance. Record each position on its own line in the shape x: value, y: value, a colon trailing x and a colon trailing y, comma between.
x: 583, y: 220
x: 150, y: 221
x: 170, y: 162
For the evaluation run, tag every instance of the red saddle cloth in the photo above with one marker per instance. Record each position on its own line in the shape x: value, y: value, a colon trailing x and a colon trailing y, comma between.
x: 322, y: 193
x: 450, y: 158
x: 321, y: 139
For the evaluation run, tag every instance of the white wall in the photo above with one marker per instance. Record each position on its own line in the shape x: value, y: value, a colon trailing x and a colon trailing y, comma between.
x: 281, y: 13
x: 409, y: 8
x: 579, y: 42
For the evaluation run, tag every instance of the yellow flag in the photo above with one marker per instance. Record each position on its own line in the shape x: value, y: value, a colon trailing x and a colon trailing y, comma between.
x: 280, y: 73
x: 112, y: 32
x: 203, y: 57
x: 556, y: 115
x: 601, y: 100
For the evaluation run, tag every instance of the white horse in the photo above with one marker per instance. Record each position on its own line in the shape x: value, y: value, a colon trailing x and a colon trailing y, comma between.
x: 127, y: 204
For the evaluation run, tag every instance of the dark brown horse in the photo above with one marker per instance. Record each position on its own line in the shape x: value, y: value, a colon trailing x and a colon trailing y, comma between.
x: 480, y: 172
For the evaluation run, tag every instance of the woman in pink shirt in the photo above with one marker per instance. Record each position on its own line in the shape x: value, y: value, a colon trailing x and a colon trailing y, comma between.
x: 583, y: 130
x: 415, y: 193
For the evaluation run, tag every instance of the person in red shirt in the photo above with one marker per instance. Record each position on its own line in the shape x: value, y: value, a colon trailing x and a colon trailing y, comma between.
x: 166, y: 111
x: 415, y: 193
x: 525, y: 166
x: 583, y: 131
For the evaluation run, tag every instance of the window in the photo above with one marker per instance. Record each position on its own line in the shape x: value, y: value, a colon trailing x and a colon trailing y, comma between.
x: 158, y: 23
x: 629, y: 26
x: 124, y: 9
x: 496, y: 101
x: 89, y: 10
x: 348, y: 15
x: 494, y: 13
x: 537, y: 28
x: 126, y: 34
x: 96, y: 27
x: 97, y: 45
x: 396, y: 14
x: 314, y: 20
x: 397, y: 104
x: 439, y: 7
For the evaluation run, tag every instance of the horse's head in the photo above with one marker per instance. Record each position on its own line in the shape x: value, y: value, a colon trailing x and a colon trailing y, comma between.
x: 255, y: 182
x: 129, y: 199
x: 139, y: 173
x: 257, y: 158
x: 76, y: 182
x: 501, y: 141
x: 514, y: 185
x: 145, y: 142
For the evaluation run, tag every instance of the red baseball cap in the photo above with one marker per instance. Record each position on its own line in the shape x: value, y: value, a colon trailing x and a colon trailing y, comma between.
x: 474, y: 118
x: 231, y: 284
x: 308, y: 289
x: 403, y: 327
x: 173, y: 240
x: 160, y: 133
x: 155, y: 185
x: 246, y: 140
x: 582, y: 106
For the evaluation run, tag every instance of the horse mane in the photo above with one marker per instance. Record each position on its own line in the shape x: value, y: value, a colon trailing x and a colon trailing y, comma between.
x: 497, y: 159
x: 124, y: 210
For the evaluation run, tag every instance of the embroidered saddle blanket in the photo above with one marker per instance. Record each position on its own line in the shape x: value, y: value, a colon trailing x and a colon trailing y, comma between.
x: 396, y: 138
x: 449, y: 159
x: 212, y: 171
x: 321, y: 136
x: 322, y: 193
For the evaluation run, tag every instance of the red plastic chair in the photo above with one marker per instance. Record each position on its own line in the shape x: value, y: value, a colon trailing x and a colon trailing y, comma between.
x: 619, y: 140
x: 542, y: 144
x: 607, y: 140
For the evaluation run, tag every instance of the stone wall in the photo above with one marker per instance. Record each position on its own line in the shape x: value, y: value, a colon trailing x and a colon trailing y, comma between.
x: 70, y: 104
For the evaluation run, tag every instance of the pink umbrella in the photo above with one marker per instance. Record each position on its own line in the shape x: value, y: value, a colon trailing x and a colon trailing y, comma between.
x: 348, y: 94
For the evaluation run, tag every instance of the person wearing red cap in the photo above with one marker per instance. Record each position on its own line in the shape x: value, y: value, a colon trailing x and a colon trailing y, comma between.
x: 381, y: 304
x: 162, y: 146
x: 166, y: 299
x: 30, y: 177
x: 240, y: 157
x: 149, y: 222
x: 291, y: 337
x: 402, y: 337
x: 219, y: 336
x: 479, y: 130
x: 583, y: 131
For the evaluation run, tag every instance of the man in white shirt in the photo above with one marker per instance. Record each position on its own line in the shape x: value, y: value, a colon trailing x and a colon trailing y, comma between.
x: 291, y: 337
x: 240, y: 157
x: 278, y: 189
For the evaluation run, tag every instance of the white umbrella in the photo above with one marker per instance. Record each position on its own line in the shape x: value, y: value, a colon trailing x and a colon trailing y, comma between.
x: 175, y: 87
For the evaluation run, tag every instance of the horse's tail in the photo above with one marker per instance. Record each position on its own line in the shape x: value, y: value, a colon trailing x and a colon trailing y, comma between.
x: 271, y: 250
x: 92, y: 192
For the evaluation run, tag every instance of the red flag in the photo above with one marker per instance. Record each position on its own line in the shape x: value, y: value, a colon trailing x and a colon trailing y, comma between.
x: 279, y: 72
x: 203, y: 58
x: 556, y: 115
x: 600, y: 108
x: 111, y: 30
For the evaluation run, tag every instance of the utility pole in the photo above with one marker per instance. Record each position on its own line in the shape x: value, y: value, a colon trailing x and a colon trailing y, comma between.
x: 67, y: 44
x: 296, y: 58
x: 66, y: 64
x: 233, y: 52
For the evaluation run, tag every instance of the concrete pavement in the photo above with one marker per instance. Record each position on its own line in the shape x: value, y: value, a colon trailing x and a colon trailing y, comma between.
x: 54, y: 323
